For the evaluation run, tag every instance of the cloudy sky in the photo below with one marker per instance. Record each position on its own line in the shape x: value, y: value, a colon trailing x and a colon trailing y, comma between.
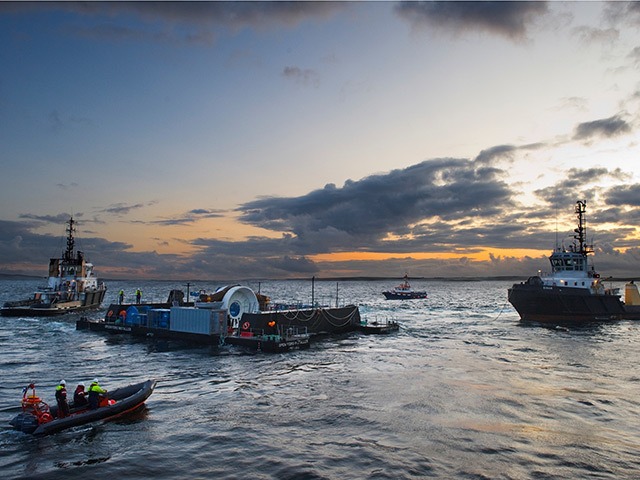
x: 271, y: 140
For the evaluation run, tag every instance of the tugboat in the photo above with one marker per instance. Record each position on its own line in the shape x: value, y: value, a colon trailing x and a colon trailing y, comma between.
x: 72, y: 286
x: 573, y: 292
x: 403, y: 291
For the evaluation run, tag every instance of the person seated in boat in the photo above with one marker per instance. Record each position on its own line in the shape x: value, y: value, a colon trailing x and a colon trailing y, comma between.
x: 96, y: 393
x: 79, y: 396
x: 61, y: 399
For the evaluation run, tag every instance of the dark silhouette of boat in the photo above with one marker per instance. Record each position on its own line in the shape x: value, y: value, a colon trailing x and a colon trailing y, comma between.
x: 403, y: 291
x: 38, y: 418
x: 573, y: 292
x: 72, y: 286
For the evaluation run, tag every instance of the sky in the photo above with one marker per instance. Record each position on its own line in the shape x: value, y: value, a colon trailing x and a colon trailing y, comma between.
x: 248, y: 140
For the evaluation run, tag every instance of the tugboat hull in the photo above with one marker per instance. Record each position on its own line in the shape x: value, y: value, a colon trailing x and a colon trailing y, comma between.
x: 92, y: 300
x: 548, y: 304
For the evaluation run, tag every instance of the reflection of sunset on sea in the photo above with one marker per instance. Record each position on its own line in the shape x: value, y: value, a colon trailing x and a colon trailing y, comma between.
x: 278, y: 140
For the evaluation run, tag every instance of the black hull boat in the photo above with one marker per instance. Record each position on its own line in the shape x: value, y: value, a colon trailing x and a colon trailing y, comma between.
x: 537, y: 303
x: 72, y: 287
x: 26, y: 308
x: 403, y: 292
x: 573, y: 293
x: 38, y: 418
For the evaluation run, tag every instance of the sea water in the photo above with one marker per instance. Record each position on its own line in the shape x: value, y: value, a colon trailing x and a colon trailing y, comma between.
x: 463, y: 390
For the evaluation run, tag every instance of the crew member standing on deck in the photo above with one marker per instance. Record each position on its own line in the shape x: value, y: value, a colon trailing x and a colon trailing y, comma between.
x: 138, y: 295
x: 61, y: 399
x: 121, y: 296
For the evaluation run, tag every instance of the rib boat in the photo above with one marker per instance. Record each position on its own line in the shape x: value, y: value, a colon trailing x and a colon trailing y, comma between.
x: 38, y: 418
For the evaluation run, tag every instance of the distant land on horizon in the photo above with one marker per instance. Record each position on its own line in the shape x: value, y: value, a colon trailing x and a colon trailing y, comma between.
x: 16, y: 276
x: 8, y: 276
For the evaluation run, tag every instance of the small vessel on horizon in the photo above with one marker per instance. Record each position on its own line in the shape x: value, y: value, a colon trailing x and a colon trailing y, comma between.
x: 573, y: 292
x: 403, y: 291
x: 72, y: 286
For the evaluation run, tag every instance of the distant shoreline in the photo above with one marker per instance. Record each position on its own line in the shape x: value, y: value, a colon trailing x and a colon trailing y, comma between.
x: 16, y: 276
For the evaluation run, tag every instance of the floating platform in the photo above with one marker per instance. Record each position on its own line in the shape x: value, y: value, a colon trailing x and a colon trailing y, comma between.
x: 233, y: 315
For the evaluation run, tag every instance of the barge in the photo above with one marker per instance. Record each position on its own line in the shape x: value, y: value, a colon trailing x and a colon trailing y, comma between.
x: 233, y: 315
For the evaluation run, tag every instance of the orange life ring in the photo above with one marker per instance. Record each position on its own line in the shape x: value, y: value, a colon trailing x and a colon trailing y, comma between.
x: 123, y: 314
x: 45, y: 418
x: 110, y: 313
x: 246, y: 325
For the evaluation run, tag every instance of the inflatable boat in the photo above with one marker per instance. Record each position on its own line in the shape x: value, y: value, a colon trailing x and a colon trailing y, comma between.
x: 38, y: 418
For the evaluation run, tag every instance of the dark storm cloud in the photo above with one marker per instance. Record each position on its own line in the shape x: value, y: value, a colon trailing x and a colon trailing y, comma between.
x: 19, y: 244
x: 509, y: 19
x: 575, y: 184
x: 256, y: 256
x: 363, y: 212
x: 620, y: 215
x: 624, y: 195
x: 230, y: 14
x: 59, y: 219
x: 604, y: 128
x: 202, y: 19
x: 622, y: 13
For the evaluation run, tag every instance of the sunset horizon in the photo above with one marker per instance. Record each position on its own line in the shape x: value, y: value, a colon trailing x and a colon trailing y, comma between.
x: 276, y: 140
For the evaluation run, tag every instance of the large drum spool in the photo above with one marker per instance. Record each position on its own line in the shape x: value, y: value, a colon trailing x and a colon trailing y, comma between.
x: 239, y: 300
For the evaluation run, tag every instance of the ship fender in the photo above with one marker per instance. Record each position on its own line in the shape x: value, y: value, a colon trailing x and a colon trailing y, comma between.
x: 240, y: 300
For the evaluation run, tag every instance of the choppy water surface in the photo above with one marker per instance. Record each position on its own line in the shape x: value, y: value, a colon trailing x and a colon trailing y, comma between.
x: 462, y: 391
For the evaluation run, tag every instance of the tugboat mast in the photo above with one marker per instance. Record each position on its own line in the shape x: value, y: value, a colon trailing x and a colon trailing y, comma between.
x: 581, y: 231
x: 68, y: 254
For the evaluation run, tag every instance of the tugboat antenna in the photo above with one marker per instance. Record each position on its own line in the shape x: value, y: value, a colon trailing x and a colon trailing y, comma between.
x: 580, y: 235
x: 557, y: 244
x: 68, y: 255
